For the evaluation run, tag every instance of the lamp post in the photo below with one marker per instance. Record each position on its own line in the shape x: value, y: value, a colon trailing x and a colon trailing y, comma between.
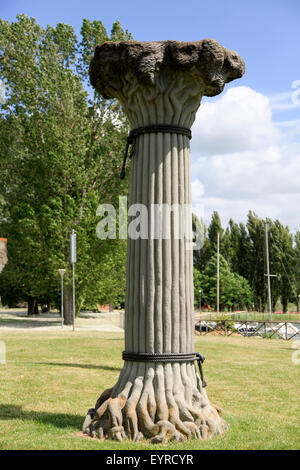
x: 62, y: 273
x: 200, y: 292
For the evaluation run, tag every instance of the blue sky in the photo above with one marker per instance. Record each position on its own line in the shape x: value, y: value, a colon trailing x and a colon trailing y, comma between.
x: 266, y: 34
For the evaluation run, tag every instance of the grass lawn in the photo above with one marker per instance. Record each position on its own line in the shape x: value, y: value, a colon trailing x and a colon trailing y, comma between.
x: 51, y: 379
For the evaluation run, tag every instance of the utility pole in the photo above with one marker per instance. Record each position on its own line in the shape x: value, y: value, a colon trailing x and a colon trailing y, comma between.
x: 268, y: 271
x: 218, y: 272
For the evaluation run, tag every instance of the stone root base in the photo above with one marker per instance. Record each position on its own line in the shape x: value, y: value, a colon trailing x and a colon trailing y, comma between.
x: 163, y: 402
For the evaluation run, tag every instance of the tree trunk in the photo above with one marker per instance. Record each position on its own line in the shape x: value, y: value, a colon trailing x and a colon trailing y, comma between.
x: 285, y: 301
x: 33, y: 308
x: 68, y: 306
x: 161, y: 400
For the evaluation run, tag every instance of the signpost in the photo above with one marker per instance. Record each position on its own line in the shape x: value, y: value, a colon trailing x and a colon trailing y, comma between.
x: 62, y: 272
x: 73, y: 261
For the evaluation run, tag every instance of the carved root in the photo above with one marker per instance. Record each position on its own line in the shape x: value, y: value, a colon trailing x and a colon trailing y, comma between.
x: 163, y: 402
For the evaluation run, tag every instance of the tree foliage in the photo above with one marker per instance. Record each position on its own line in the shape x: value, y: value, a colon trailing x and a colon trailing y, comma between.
x: 60, y: 158
x: 243, y: 248
x: 235, y: 291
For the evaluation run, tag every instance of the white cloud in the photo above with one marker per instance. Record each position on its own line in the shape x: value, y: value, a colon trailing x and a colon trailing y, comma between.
x: 239, y: 120
x: 197, y: 189
x: 242, y: 161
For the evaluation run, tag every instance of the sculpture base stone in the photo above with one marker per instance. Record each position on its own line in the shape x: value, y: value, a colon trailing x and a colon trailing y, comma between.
x: 163, y: 402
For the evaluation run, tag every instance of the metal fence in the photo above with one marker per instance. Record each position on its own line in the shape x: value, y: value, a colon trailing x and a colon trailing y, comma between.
x: 266, y: 329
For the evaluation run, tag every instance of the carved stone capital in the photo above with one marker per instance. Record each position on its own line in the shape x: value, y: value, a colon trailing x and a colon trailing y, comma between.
x: 163, y: 82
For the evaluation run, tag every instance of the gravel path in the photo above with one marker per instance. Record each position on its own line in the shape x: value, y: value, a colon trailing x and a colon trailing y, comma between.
x: 17, y: 319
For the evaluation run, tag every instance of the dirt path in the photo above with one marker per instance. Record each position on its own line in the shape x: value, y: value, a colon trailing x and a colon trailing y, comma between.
x: 17, y: 319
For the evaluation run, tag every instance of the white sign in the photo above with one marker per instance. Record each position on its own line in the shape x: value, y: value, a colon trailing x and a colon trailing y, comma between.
x: 73, y: 246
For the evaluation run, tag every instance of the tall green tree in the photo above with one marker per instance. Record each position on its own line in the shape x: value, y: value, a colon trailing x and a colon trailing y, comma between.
x: 201, y: 252
x: 214, y: 228
x: 59, y: 159
x: 234, y: 236
x: 226, y: 248
x: 282, y: 263
x: 257, y: 257
x: 296, y: 266
x: 244, y: 254
x: 235, y: 291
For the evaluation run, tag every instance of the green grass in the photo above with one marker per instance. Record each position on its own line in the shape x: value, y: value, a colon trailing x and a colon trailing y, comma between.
x: 52, y: 378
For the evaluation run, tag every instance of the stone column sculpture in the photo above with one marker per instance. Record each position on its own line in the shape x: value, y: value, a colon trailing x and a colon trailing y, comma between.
x: 159, y: 83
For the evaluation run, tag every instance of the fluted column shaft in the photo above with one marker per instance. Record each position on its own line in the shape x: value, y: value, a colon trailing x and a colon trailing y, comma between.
x: 159, y: 292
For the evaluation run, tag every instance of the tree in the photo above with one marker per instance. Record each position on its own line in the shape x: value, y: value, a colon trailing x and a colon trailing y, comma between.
x: 59, y: 158
x: 214, y: 228
x: 243, y: 254
x: 282, y: 263
x: 235, y: 290
x: 226, y: 248
x: 234, y: 235
x: 202, y: 251
x: 198, y: 280
x: 257, y: 259
x: 296, y: 263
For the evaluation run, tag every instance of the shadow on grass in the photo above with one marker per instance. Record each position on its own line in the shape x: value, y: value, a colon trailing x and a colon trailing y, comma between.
x: 83, y: 366
x: 23, y: 324
x: 59, y: 420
